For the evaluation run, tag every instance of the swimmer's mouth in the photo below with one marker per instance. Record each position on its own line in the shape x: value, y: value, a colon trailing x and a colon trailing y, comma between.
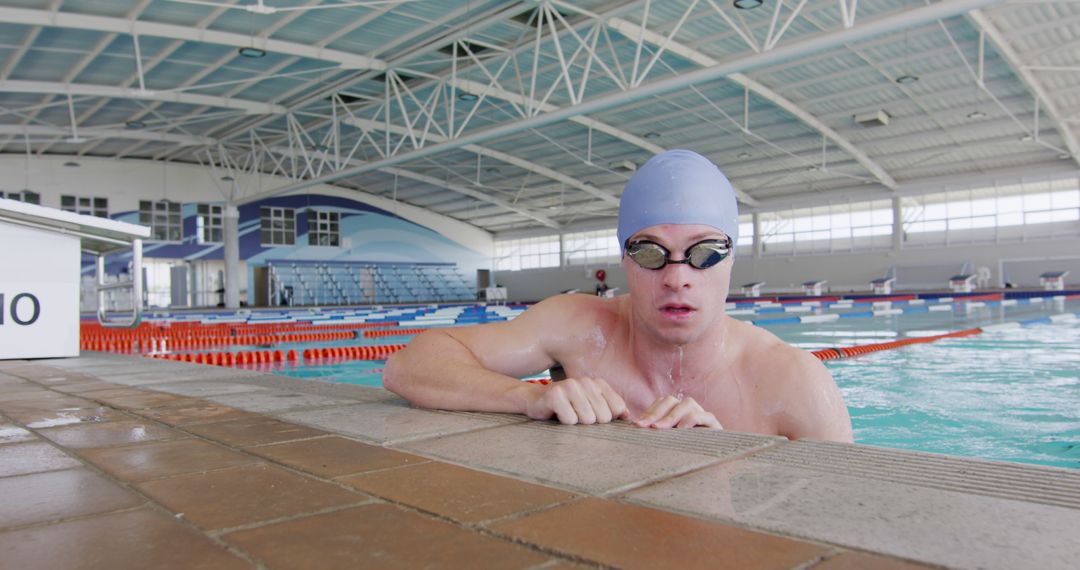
x: 676, y: 309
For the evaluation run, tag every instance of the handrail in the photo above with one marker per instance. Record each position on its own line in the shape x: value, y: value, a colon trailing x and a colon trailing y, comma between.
x: 135, y: 284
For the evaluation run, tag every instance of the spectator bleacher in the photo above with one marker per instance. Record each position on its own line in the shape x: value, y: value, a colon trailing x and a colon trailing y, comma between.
x: 302, y: 283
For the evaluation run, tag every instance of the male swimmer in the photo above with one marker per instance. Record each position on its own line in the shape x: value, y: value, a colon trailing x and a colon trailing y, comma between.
x: 664, y: 355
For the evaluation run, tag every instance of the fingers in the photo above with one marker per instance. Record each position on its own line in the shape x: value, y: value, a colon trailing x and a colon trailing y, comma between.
x: 671, y: 412
x: 580, y: 400
x: 659, y: 409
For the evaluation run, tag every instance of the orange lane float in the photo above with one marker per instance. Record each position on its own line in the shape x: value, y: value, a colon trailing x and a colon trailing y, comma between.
x: 851, y: 351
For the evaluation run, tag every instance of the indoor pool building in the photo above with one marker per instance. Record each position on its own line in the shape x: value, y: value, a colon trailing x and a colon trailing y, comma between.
x: 220, y: 219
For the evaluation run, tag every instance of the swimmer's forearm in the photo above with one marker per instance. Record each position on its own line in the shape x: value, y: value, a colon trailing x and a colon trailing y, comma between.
x: 437, y: 371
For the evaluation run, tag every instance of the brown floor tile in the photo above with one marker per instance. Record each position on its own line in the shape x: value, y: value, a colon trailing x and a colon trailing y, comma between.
x: 9, y: 389
x: 34, y: 371
x: 379, y: 536
x: 253, y: 431
x: 87, y: 386
x: 72, y: 379
x: 40, y: 419
x: 42, y: 497
x: 164, y: 458
x: 109, y: 434
x: 22, y: 458
x: 136, y: 540
x: 10, y: 433
x: 629, y: 536
x: 46, y: 400
x: 461, y: 494
x: 200, y: 412
x: 334, y: 456
x: 245, y: 495
x: 134, y: 399
x: 861, y: 561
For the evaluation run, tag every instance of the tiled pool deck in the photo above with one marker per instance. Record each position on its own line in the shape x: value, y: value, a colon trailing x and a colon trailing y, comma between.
x: 110, y: 461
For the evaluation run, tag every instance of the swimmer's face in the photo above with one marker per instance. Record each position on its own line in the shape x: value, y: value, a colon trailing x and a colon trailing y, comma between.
x: 678, y: 303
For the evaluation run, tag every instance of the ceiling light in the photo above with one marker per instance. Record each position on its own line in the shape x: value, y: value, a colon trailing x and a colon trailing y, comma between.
x: 1064, y: 156
x: 252, y: 52
x: 134, y: 125
x: 492, y: 170
x: 747, y: 4
x: 1026, y: 138
x: 652, y: 135
x: 72, y: 164
x: 811, y: 168
x: 907, y: 79
x: 466, y: 96
x: 743, y: 155
x: 976, y: 115
x: 227, y: 178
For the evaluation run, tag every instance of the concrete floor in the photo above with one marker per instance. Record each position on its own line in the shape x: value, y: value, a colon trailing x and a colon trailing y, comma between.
x: 110, y: 461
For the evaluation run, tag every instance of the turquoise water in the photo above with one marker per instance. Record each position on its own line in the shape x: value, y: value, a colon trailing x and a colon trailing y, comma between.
x: 1011, y: 395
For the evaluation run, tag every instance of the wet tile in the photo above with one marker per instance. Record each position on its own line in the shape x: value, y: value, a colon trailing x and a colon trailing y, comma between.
x: 132, y: 540
x: 379, y: 536
x: 629, y: 536
x: 39, y: 419
x: 196, y: 412
x: 14, y: 434
x: 897, y: 519
x: 458, y: 493
x: 335, y: 456
x: 253, y: 431
x: 160, y: 459
x: 564, y: 456
x: 276, y: 400
x: 130, y: 398
x: 42, y: 497
x: 109, y: 434
x: 382, y: 422
x: 244, y: 495
x: 22, y: 458
x: 861, y: 561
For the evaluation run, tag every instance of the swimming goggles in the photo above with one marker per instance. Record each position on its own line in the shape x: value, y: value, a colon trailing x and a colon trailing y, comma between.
x: 702, y: 255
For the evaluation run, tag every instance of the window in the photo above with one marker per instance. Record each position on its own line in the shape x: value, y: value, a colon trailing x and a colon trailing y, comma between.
x: 164, y: 219
x: 1002, y: 212
x: 527, y: 253
x: 324, y: 228
x: 209, y: 225
x: 821, y: 229
x: 588, y: 248
x: 24, y: 196
x: 84, y: 205
x: 745, y: 246
x: 277, y: 226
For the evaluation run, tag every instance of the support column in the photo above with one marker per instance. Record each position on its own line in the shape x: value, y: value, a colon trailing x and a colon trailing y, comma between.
x: 231, y: 235
x: 757, y: 235
x: 897, y: 225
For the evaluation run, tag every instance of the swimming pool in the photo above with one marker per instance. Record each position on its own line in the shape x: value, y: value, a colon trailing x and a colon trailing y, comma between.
x: 1005, y: 394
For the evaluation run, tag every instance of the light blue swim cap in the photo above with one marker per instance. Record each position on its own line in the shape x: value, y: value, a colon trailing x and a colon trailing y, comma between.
x: 678, y: 187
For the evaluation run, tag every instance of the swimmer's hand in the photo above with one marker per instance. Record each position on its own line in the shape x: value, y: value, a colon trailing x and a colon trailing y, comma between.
x: 670, y: 411
x: 576, y: 401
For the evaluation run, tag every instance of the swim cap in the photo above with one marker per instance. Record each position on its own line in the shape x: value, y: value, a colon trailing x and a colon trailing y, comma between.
x: 678, y: 187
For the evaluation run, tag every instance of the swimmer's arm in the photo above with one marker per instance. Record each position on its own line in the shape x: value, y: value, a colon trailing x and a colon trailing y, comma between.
x: 471, y: 368
x: 813, y: 406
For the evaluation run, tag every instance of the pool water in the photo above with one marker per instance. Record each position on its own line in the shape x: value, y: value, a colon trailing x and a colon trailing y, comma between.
x: 1011, y: 395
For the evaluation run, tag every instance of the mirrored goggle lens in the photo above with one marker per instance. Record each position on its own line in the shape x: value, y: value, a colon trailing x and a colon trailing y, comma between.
x: 707, y: 254
x: 648, y: 255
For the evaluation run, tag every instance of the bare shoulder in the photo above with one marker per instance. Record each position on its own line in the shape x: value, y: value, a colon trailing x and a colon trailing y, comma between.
x: 796, y: 384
